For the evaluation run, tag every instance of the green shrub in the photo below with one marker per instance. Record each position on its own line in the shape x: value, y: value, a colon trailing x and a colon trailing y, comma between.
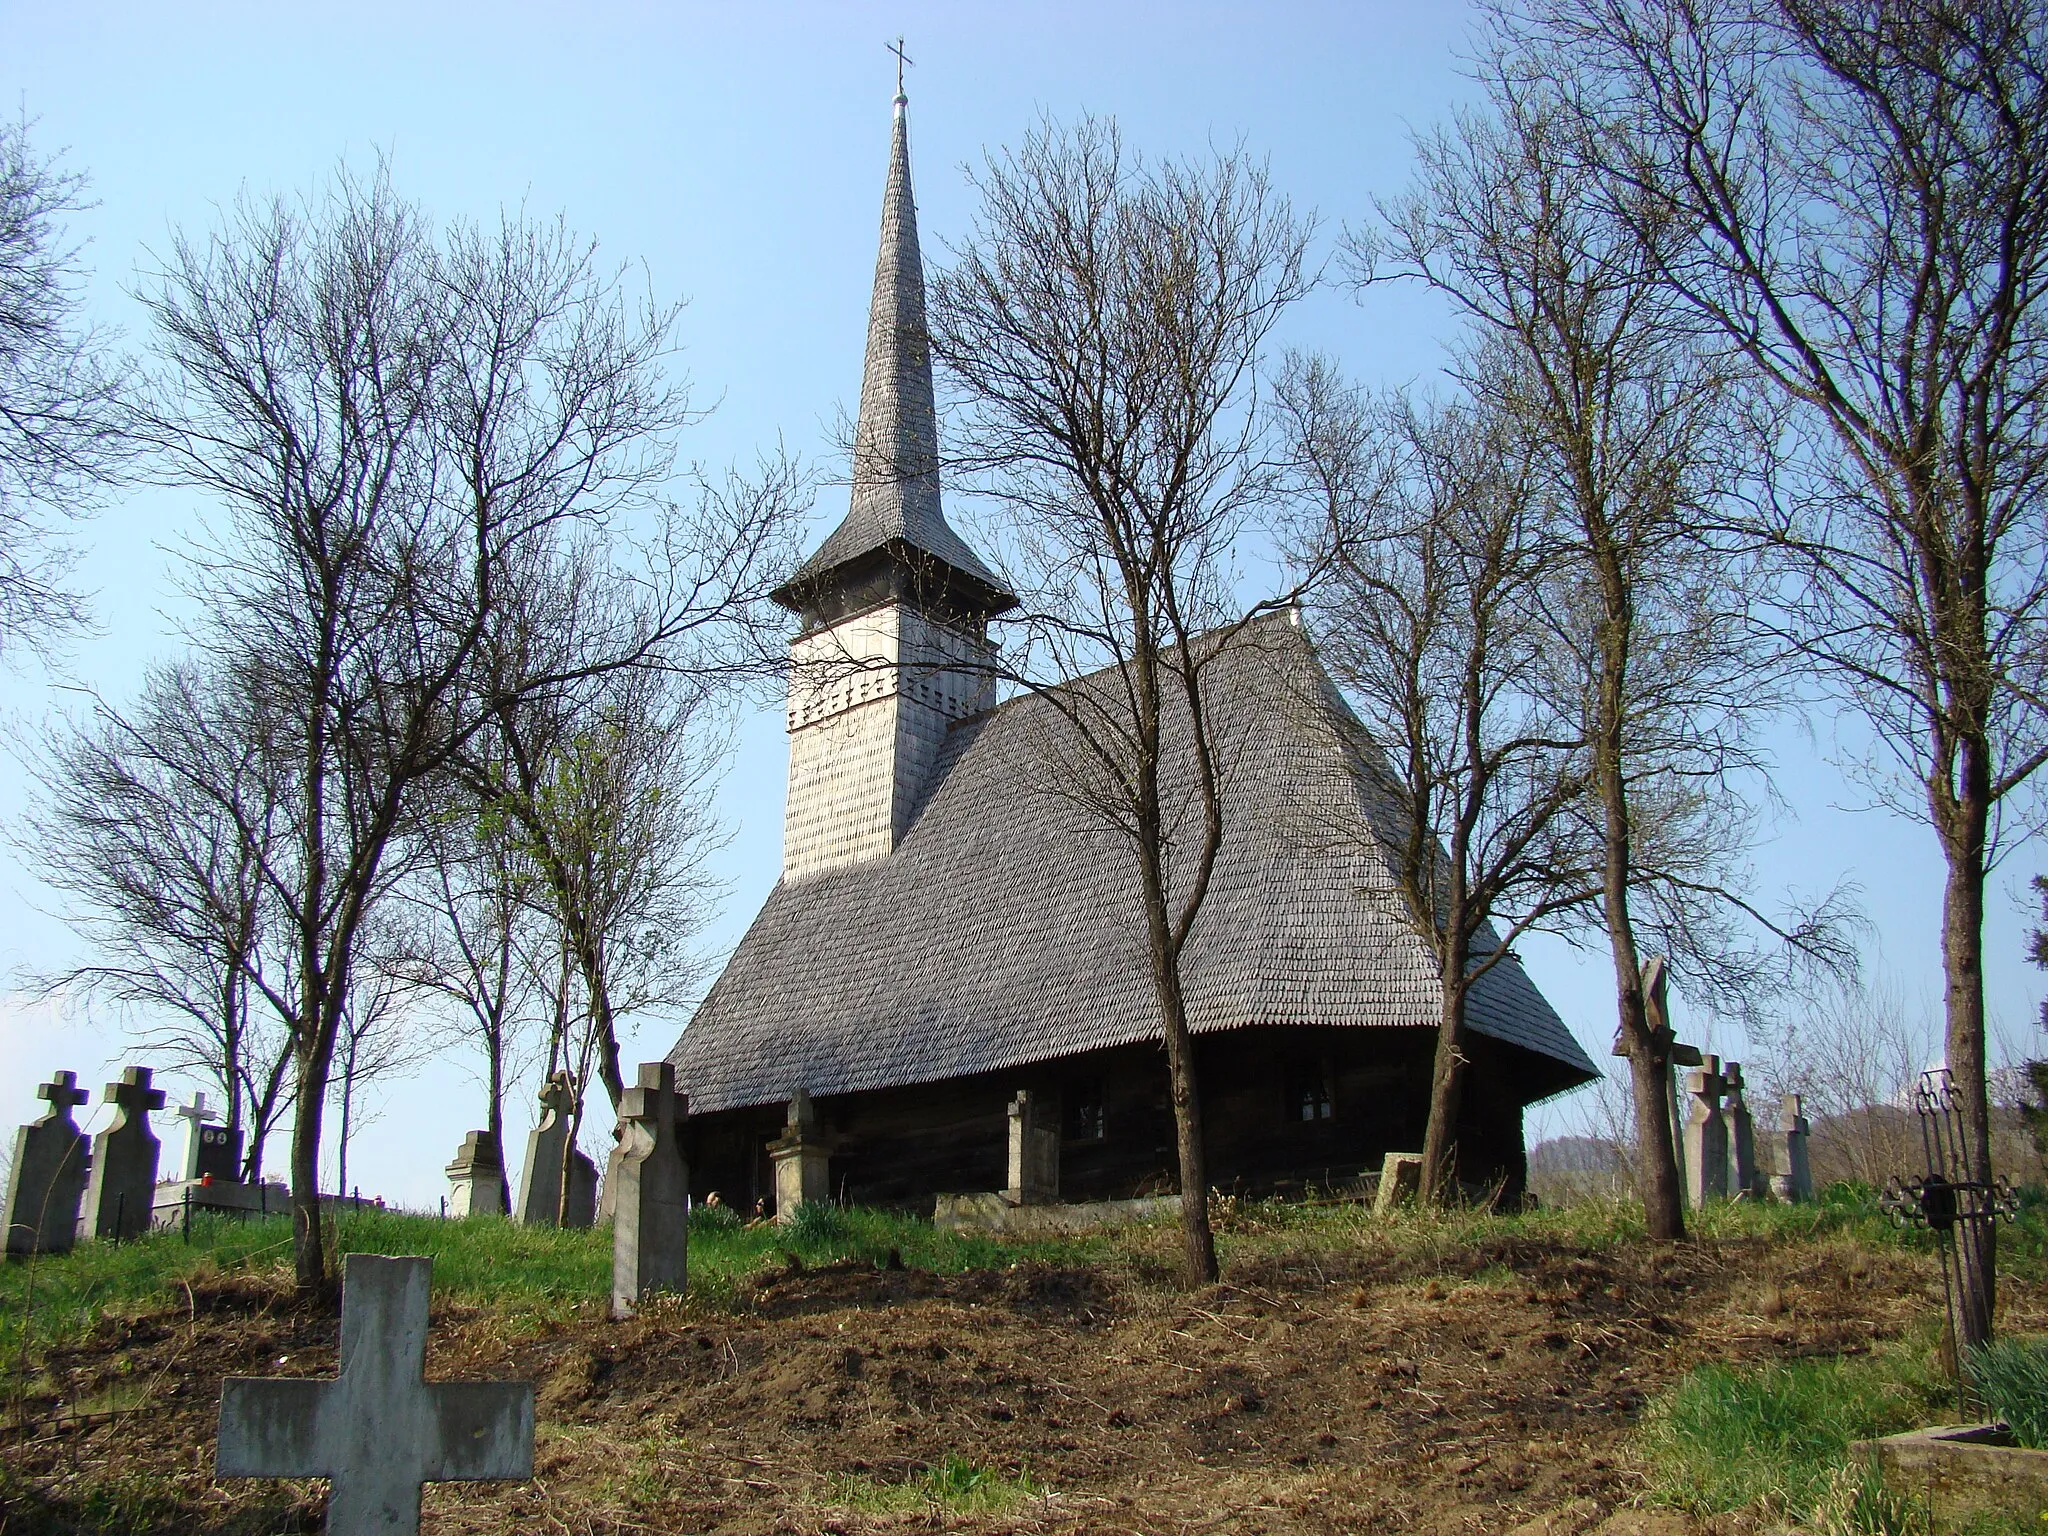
x: 2011, y: 1377
x: 816, y: 1223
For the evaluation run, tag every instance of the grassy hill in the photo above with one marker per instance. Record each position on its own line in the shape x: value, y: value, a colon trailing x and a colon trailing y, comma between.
x: 861, y: 1371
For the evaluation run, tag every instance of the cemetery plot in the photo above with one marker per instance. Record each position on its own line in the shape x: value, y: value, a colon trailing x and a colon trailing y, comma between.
x: 1473, y: 1380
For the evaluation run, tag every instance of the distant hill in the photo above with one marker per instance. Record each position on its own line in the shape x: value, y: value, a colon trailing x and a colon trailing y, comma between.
x: 1576, y: 1154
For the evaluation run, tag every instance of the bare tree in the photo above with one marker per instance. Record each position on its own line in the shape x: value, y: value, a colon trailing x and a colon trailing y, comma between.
x: 1630, y: 420
x: 606, y: 788
x: 374, y: 1043
x: 1864, y: 188
x: 405, y: 437
x: 1433, y: 623
x: 156, y: 825
x: 471, y: 900
x: 1854, y: 1051
x: 60, y: 426
x: 1106, y: 321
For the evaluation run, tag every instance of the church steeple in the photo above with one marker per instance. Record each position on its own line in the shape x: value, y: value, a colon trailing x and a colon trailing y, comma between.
x: 895, y: 539
x: 895, y: 606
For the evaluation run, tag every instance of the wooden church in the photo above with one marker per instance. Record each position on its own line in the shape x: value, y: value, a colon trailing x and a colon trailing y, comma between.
x: 953, y: 962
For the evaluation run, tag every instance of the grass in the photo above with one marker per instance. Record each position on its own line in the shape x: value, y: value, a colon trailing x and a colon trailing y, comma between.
x: 2011, y: 1376
x: 956, y: 1485
x: 1778, y: 1435
x: 541, y: 1272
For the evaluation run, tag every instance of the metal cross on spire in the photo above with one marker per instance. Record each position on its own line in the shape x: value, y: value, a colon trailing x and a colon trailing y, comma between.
x: 901, y: 59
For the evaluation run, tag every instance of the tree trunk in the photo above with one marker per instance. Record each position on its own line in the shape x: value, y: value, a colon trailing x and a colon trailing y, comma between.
x: 1648, y: 1053
x: 309, y: 1256
x: 1447, y: 1077
x: 1649, y: 1067
x: 1198, y: 1239
x: 1962, y: 953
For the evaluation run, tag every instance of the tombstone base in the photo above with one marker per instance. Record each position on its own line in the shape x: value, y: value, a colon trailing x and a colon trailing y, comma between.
x: 217, y: 1199
x: 1961, y: 1471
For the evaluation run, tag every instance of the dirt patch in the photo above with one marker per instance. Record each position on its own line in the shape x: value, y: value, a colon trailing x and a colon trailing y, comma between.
x: 1490, y: 1388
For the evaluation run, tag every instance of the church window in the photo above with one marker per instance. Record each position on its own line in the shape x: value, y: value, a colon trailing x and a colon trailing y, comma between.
x: 1308, y: 1092
x: 1087, y: 1115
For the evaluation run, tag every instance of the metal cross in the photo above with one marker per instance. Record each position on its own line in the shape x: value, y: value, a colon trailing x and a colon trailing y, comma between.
x: 1960, y: 1211
x: 901, y: 60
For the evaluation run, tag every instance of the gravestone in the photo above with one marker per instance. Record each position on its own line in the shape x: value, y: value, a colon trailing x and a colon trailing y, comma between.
x: 1400, y: 1181
x: 580, y: 1202
x: 47, y: 1177
x: 120, y: 1193
x: 1743, y: 1179
x: 543, y: 1202
x: 1706, y: 1134
x: 1034, y: 1152
x: 210, y: 1151
x: 803, y: 1163
x: 378, y: 1429
x: 477, y: 1177
x: 650, y: 1192
x: 1794, y: 1179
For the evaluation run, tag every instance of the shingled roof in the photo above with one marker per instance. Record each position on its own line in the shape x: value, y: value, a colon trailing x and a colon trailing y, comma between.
x: 1004, y: 929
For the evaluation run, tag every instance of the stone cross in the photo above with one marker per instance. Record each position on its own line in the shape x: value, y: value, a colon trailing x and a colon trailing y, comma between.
x: 802, y: 1161
x: 650, y: 1192
x: 47, y: 1177
x: 122, y: 1188
x: 1794, y: 1178
x: 379, y: 1429
x: 1742, y: 1174
x: 1706, y: 1134
x: 195, y: 1115
x: 1034, y: 1153
x: 550, y: 1159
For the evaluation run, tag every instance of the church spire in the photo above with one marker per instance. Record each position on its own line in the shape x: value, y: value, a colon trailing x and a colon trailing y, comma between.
x: 895, y: 517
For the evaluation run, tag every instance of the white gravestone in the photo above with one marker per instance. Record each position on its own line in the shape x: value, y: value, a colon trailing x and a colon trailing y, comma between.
x: 476, y: 1178
x: 1034, y: 1152
x: 195, y: 1115
x: 801, y: 1159
x: 650, y: 1192
x: 1794, y: 1179
x: 46, y: 1180
x: 379, y: 1429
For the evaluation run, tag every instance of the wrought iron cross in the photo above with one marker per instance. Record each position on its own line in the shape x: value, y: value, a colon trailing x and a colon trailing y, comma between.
x: 1959, y: 1211
x: 901, y: 60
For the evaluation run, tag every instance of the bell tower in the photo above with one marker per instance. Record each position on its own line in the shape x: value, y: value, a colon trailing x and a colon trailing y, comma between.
x: 894, y: 607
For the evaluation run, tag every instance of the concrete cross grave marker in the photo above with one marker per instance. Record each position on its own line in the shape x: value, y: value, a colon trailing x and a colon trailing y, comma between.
x: 379, y: 1429
x: 47, y: 1177
x: 651, y: 1197
x: 1706, y: 1134
x: 1794, y: 1179
x: 195, y: 1115
x: 1742, y: 1176
x: 121, y: 1190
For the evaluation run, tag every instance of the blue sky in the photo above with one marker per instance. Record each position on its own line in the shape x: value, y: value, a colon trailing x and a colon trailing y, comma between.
x: 737, y: 153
